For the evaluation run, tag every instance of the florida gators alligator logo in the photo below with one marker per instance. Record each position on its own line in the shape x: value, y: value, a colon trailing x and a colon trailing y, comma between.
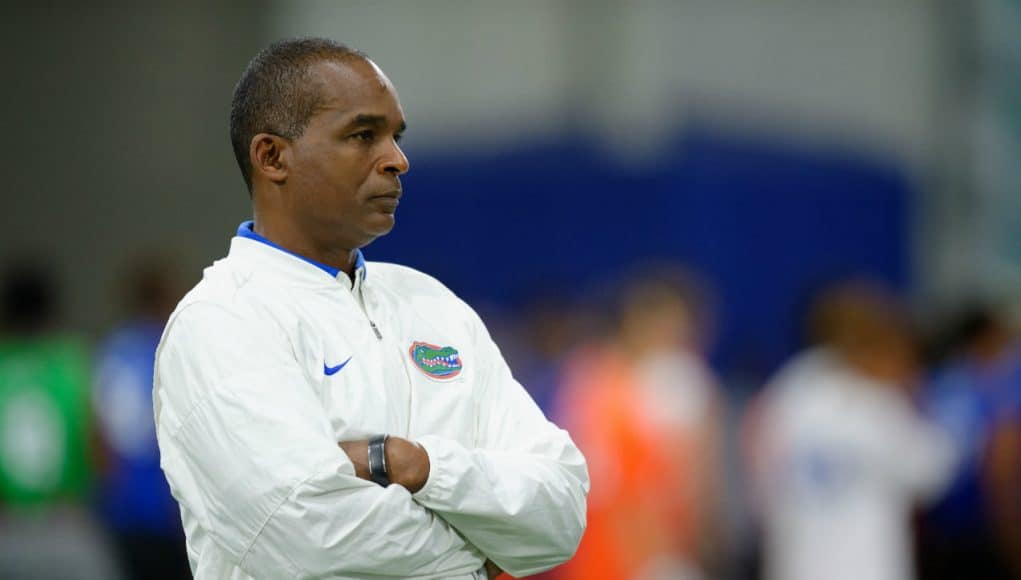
x: 438, y: 362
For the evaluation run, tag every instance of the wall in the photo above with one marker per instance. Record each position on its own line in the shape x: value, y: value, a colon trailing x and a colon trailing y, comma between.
x: 116, y: 126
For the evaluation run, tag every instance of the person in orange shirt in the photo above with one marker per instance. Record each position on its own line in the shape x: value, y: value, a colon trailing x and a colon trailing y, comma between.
x: 642, y: 405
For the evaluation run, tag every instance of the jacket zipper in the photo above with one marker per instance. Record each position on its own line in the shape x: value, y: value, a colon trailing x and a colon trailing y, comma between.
x: 365, y: 312
x: 407, y: 374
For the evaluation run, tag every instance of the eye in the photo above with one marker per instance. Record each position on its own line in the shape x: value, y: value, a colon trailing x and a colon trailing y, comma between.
x: 367, y: 135
x: 398, y: 137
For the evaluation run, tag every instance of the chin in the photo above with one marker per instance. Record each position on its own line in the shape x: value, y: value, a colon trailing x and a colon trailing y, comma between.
x: 378, y: 228
x: 386, y: 223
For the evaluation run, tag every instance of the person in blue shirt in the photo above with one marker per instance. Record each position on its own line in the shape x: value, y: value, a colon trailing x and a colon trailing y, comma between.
x: 133, y: 496
x: 969, y: 395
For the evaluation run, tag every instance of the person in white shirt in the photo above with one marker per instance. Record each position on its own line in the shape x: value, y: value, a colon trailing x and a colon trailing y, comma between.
x: 840, y: 456
x: 321, y: 416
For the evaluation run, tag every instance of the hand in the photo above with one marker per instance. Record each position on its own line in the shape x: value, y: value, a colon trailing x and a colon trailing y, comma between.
x: 407, y: 462
x: 492, y: 570
x: 358, y: 453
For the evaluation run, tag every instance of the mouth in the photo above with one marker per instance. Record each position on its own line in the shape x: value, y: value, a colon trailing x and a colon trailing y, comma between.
x: 393, y: 194
x: 387, y: 202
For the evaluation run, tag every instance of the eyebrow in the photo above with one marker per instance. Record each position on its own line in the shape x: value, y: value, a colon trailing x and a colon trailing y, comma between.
x: 374, y: 121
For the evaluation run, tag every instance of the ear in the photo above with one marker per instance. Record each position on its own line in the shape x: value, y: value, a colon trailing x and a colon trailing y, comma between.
x: 269, y: 155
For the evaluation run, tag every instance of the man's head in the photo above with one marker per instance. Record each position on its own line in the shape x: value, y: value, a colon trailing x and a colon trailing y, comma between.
x: 314, y: 126
x: 28, y: 297
x: 863, y: 321
x: 663, y: 309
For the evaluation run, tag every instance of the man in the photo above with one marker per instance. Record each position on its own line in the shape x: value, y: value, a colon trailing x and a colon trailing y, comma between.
x: 839, y: 454
x: 969, y: 396
x: 293, y: 343
x: 46, y: 462
x: 131, y: 492
x: 644, y: 407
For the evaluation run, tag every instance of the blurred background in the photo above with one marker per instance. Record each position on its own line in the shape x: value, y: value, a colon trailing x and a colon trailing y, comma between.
x: 761, y: 258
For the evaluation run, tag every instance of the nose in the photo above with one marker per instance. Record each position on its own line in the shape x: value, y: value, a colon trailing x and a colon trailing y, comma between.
x: 395, y: 162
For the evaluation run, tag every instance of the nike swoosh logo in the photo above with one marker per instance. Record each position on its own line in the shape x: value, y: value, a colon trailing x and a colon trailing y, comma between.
x: 334, y: 370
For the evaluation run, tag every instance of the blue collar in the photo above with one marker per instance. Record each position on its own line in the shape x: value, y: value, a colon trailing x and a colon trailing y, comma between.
x: 247, y: 230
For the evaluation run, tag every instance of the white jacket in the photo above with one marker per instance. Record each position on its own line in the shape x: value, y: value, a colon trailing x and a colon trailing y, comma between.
x: 248, y: 421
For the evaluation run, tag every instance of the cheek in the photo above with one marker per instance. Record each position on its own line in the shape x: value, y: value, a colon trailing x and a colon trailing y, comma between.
x: 323, y: 177
x: 343, y: 171
x: 329, y: 175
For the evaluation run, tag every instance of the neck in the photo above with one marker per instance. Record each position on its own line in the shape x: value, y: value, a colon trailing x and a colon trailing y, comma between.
x: 290, y: 236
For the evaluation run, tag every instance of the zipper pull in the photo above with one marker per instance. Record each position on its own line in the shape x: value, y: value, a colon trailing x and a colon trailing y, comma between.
x: 375, y: 330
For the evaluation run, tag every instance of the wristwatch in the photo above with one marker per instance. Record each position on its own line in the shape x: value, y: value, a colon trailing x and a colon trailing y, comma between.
x: 378, y: 471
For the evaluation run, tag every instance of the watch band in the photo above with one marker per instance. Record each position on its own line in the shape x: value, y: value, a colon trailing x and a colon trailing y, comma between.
x: 378, y: 471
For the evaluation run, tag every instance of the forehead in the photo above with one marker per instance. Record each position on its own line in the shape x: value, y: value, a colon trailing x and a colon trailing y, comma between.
x: 356, y: 86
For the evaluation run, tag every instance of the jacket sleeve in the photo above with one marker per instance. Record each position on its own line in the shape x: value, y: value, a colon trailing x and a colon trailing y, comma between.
x: 917, y: 454
x: 519, y: 495
x: 249, y: 452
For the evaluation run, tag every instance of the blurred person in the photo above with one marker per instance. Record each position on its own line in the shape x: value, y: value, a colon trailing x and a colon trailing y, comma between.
x: 547, y: 331
x: 45, y: 434
x: 323, y: 416
x: 840, y: 456
x: 1004, y: 474
x: 969, y: 531
x: 133, y: 496
x: 644, y: 408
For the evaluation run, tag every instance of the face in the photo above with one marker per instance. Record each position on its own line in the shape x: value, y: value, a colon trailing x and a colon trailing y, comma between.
x: 343, y: 173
